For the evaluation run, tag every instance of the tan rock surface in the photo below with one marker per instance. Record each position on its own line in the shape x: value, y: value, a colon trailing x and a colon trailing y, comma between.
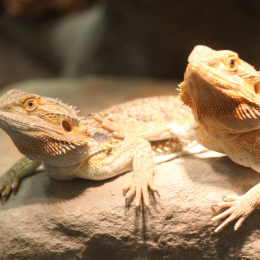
x: 81, y: 219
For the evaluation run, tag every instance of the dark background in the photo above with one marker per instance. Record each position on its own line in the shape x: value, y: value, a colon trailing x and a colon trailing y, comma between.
x: 134, y: 38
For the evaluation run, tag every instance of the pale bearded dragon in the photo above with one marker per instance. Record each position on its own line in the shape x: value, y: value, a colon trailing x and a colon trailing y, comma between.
x: 223, y: 92
x: 51, y: 133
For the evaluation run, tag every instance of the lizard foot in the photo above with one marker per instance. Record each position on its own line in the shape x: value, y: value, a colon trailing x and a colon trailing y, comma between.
x: 8, y: 182
x: 139, y: 189
x: 239, y: 207
x: 120, y: 130
x: 123, y: 126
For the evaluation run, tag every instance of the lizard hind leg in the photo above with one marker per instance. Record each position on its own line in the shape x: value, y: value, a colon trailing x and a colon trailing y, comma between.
x: 10, y: 180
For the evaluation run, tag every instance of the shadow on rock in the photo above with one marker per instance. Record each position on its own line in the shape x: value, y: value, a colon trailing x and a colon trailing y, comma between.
x: 40, y: 188
x: 220, y: 172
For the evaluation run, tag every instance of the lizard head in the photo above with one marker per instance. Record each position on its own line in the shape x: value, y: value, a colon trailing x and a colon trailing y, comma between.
x: 220, y: 85
x: 40, y: 125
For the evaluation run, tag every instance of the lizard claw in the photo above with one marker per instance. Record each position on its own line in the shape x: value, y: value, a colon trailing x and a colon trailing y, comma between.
x: 137, y: 210
x: 238, y: 207
x: 126, y: 202
x: 3, y: 200
x: 154, y: 191
x: 4, y: 194
x: 8, y: 183
x: 147, y: 209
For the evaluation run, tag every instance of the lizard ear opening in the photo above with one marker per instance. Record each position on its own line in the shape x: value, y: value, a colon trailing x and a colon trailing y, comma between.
x: 257, y: 87
x: 66, y: 125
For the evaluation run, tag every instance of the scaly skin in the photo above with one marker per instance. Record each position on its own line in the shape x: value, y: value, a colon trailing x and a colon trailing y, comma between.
x: 51, y: 133
x: 222, y: 91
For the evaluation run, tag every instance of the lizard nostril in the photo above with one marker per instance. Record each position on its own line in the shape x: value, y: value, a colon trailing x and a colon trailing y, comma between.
x: 66, y: 125
x: 257, y: 87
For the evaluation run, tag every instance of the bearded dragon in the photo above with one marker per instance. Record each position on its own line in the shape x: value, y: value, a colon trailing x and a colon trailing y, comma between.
x: 220, y: 88
x: 223, y: 92
x: 49, y: 132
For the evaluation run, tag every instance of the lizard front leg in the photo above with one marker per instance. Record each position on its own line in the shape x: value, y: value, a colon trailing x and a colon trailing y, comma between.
x: 239, y: 207
x: 132, y: 153
x: 243, y: 150
x: 143, y: 176
x: 9, y: 181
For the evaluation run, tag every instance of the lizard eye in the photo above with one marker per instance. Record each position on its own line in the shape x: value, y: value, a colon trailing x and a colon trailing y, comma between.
x: 233, y: 63
x: 66, y: 125
x: 31, y: 105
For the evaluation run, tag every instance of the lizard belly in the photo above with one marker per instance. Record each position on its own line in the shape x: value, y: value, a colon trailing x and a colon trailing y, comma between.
x: 60, y: 173
x: 105, y: 167
x: 207, y: 140
x: 245, y: 149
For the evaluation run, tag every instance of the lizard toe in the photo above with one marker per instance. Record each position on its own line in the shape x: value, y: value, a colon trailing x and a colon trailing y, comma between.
x: 8, y: 183
x: 130, y: 193
x: 145, y: 195
x: 126, y: 188
x: 153, y: 188
x: 2, y: 187
x: 225, y: 204
x: 138, y: 196
x: 6, y: 192
x: 229, y: 198
x: 109, y: 124
x: 239, y: 222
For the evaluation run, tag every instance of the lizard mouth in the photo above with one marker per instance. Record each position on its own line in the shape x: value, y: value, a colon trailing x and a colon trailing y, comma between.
x: 36, y: 128
x: 214, y: 94
x: 223, y: 80
x: 21, y: 123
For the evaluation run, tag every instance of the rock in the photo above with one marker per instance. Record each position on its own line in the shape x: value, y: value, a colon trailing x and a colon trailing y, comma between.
x: 81, y: 219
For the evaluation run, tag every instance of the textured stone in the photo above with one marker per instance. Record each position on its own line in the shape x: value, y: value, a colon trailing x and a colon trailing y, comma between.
x: 81, y: 219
